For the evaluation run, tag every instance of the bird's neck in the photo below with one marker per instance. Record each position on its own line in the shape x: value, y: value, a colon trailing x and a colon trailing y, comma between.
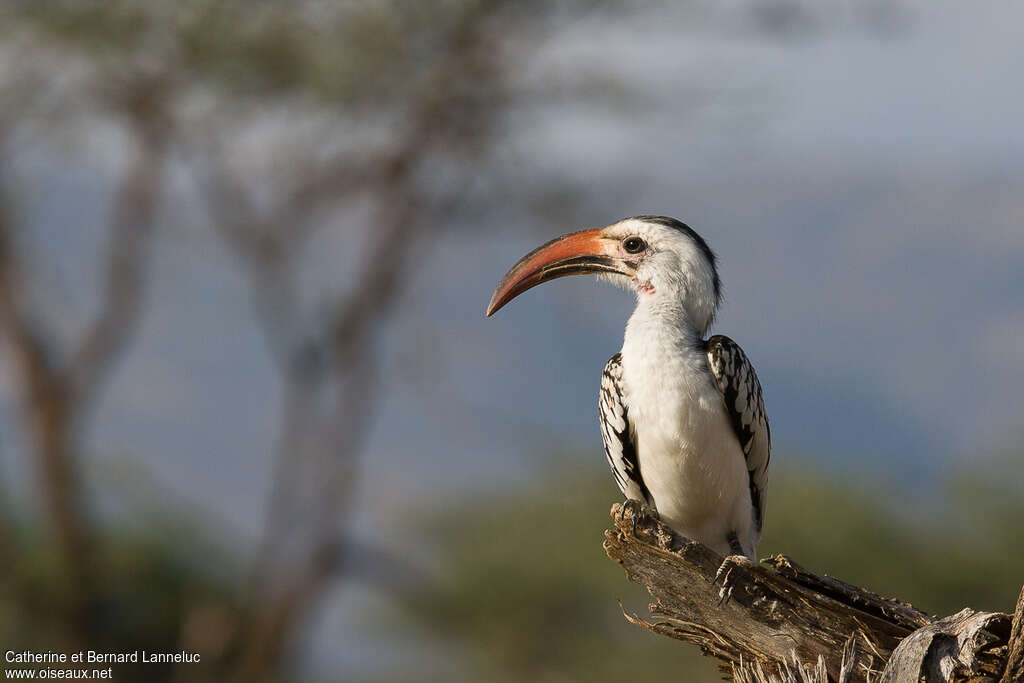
x: 662, y: 323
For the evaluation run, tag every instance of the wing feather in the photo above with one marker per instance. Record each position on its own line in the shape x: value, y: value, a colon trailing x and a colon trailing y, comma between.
x: 741, y: 392
x: 616, y: 432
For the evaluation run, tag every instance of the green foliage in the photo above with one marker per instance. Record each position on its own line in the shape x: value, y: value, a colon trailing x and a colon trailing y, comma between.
x: 242, y: 47
x: 527, y: 592
x: 156, y: 594
x: 370, y: 55
x: 943, y: 554
x: 524, y: 590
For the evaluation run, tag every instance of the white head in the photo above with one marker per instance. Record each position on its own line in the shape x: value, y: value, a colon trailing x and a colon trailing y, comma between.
x: 661, y: 259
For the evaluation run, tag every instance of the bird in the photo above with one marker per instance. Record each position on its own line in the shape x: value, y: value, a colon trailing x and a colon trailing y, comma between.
x: 682, y: 415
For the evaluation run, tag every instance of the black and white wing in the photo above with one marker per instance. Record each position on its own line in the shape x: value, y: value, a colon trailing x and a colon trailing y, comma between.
x: 619, y: 444
x: 745, y: 405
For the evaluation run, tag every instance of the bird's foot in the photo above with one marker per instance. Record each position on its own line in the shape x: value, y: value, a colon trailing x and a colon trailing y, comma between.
x: 636, y: 509
x: 724, y: 573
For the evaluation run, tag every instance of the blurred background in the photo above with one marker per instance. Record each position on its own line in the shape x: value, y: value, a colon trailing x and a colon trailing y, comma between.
x: 249, y: 404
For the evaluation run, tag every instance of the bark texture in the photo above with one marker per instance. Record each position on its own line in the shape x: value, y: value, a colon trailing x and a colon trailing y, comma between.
x: 779, y: 622
x: 1014, y: 671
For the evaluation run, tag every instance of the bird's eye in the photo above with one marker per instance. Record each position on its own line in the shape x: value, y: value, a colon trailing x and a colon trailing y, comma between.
x: 634, y: 245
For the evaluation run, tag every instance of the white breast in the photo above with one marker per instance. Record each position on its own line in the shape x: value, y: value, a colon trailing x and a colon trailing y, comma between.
x: 690, y: 459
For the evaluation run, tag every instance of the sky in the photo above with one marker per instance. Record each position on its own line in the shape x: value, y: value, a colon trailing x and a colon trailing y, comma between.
x: 860, y: 176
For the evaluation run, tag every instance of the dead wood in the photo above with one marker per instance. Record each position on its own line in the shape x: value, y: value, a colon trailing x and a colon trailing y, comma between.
x: 779, y: 622
x: 1014, y: 671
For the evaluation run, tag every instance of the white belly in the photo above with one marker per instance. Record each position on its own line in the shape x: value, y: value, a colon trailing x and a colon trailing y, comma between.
x: 690, y: 459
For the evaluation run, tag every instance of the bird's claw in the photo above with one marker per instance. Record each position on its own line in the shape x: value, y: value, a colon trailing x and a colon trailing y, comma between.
x: 723, y: 573
x: 724, y: 595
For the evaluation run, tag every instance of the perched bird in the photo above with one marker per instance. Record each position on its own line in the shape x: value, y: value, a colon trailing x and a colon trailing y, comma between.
x: 682, y: 416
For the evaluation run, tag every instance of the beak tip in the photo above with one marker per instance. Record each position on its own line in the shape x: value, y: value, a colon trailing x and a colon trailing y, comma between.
x: 494, y: 304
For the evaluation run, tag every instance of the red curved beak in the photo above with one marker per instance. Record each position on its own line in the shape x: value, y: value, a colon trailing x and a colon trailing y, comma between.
x: 573, y: 254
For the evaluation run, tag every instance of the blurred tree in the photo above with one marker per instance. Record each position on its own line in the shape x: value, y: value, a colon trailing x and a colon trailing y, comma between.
x: 58, y: 382
x: 372, y: 121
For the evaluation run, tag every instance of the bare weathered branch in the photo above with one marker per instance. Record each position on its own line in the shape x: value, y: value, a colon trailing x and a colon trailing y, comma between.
x: 784, y: 623
x: 968, y: 646
x: 900, y: 612
x: 1015, y: 648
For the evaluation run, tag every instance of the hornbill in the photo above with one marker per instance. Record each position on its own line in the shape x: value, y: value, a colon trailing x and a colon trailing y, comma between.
x: 682, y: 416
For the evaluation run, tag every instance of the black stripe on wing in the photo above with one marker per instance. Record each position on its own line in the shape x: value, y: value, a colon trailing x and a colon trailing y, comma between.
x: 619, y: 447
x: 744, y: 403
